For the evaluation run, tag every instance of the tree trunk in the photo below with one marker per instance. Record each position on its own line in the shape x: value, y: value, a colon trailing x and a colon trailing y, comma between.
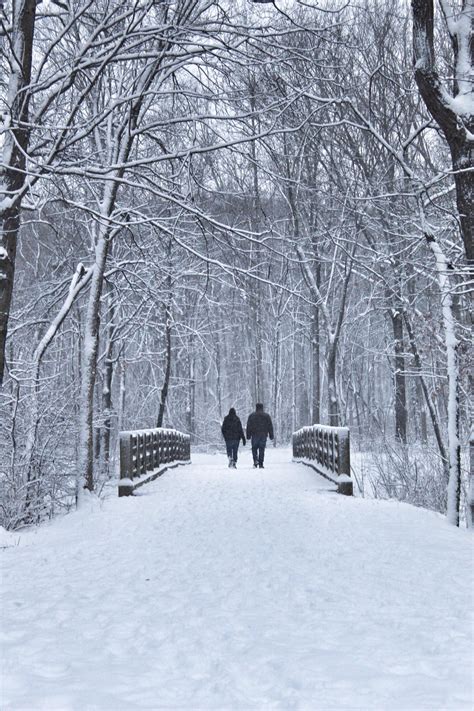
x: 85, y: 470
x: 122, y: 394
x: 218, y: 375
x: 293, y: 382
x: 454, y: 446
x: 191, y: 394
x: 462, y: 153
x: 107, y: 387
x: 8, y: 242
x: 315, y: 357
x: 399, y: 377
x: 276, y: 379
x: 256, y: 220
x: 420, y: 411
x: 470, y: 501
x: 259, y: 388
x: 457, y: 127
x: 315, y: 345
x: 12, y: 174
x: 166, y: 382
x: 333, y: 405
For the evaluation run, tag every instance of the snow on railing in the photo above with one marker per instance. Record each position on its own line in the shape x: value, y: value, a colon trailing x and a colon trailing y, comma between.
x: 146, y: 454
x: 327, y: 450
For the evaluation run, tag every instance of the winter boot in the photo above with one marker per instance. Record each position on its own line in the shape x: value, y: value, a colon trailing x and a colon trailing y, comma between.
x: 231, y: 461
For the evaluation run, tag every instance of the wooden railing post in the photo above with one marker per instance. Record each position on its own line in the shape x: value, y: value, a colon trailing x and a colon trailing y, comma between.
x: 155, y: 450
x: 134, y: 466
x: 345, y: 487
x: 126, y: 464
x: 150, y: 464
x: 333, y: 438
x: 159, y: 445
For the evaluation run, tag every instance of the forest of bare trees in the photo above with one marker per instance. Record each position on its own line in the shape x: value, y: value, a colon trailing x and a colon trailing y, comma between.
x: 207, y: 203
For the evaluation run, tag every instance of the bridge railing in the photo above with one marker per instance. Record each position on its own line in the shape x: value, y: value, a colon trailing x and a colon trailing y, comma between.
x: 327, y: 450
x: 146, y: 454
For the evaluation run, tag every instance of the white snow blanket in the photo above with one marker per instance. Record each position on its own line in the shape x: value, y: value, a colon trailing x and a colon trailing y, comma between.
x: 215, y: 588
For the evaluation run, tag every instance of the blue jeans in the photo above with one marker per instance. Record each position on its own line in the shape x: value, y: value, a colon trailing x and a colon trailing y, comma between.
x: 232, y: 446
x: 258, y: 448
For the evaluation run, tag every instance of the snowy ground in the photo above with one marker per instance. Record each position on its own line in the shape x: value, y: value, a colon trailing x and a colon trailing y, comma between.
x: 246, y: 589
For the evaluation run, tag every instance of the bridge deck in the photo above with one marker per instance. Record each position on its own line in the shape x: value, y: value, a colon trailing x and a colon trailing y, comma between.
x: 215, y: 588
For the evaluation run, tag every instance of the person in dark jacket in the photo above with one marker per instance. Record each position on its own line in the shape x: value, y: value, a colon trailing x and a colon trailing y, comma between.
x: 259, y: 425
x: 232, y: 432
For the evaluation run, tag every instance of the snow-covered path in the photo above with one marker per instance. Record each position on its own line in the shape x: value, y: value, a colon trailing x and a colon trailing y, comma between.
x: 220, y: 589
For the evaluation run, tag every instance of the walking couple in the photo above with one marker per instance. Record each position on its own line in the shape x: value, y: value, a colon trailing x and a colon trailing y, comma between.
x: 259, y: 426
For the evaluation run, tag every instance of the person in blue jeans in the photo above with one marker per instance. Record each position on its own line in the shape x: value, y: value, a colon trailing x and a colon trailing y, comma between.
x: 259, y: 426
x: 232, y: 432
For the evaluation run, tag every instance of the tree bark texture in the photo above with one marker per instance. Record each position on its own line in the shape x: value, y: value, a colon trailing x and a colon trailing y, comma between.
x: 85, y: 474
x: 166, y: 381
x: 399, y: 377
x: 276, y: 376
x: 315, y: 357
x: 333, y: 404
x: 452, y: 365
x: 107, y: 385
x: 12, y: 174
x: 458, y: 128
x: 218, y: 361
x: 191, y: 411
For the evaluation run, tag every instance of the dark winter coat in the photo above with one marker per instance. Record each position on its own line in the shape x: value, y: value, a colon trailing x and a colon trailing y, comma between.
x: 259, y: 424
x: 232, y: 428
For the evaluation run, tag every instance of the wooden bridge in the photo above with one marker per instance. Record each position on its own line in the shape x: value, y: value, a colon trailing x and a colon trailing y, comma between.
x: 146, y: 454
